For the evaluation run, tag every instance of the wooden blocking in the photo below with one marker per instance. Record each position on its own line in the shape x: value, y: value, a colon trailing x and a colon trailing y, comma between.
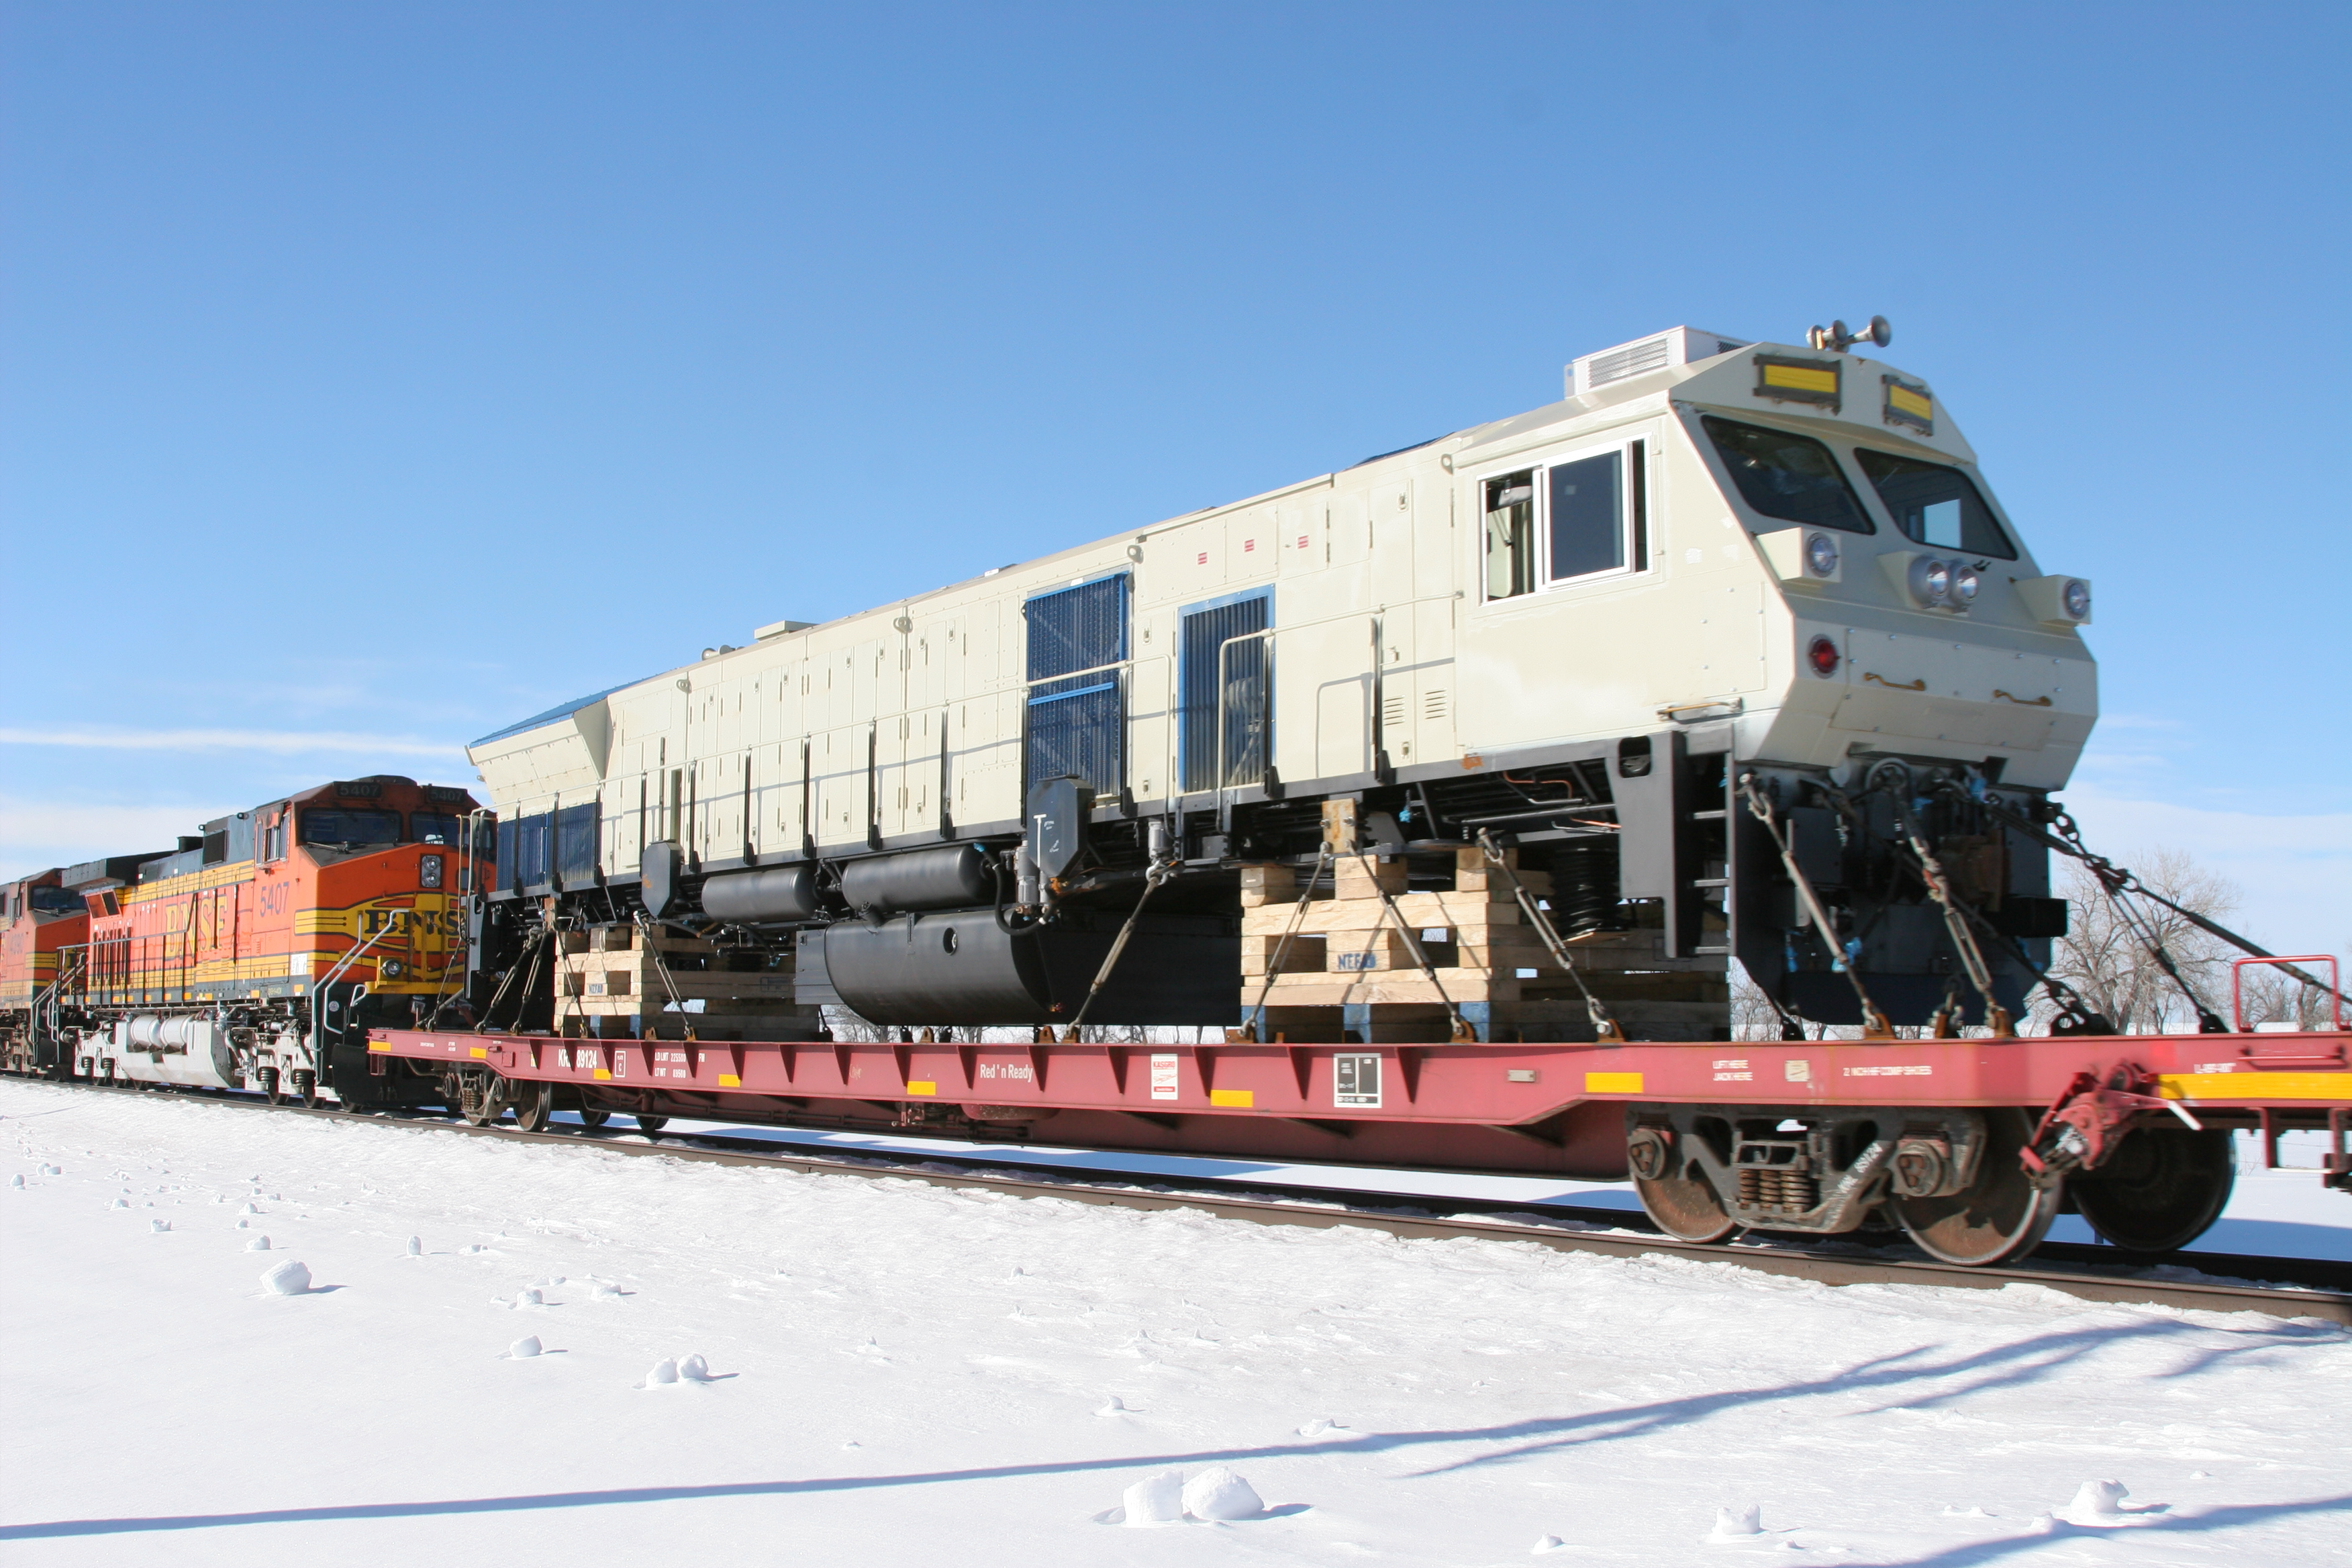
x: 1356, y: 952
x: 1333, y: 990
x: 1339, y: 827
x: 611, y: 938
x: 1363, y: 877
x: 598, y: 983
x: 571, y: 941
x: 1304, y: 954
x: 1264, y: 884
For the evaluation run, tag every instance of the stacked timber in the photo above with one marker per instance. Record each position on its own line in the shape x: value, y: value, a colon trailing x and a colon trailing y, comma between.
x: 620, y: 982
x: 1335, y: 960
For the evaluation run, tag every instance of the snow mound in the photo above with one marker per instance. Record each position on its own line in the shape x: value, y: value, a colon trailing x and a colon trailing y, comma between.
x: 159, y: 1226
x: 1730, y: 1526
x: 258, y: 1244
x: 665, y: 1373
x: 118, y: 1203
x: 1547, y: 1544
x: 248, y: 1209
x: 1114, y: 1407
x: 526, y: 1296
x: 53, y: 1170
x: 694, y: 1369
x: 2098, y: 1500
x: 16, y: 1184
x: 244, y: 1224
x: 415, y: 1246
x: 1321, y: 1427
x: 1156, y: 1500
x: 1218, y: 1493
x: 525, y: 1348
x: 289, y: 1279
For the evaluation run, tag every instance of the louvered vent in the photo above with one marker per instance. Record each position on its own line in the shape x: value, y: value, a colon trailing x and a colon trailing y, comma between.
x: 1393, y: 711
x: 1432, y: 702
x: 1619, y: 363
x: 1676, y: 345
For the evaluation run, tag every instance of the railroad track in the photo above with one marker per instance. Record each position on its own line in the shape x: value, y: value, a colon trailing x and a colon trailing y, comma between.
x: 2278, y: 1286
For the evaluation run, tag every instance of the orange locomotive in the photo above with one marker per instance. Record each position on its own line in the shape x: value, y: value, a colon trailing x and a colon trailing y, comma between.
x: 40, y: 916
x: 259, y: 954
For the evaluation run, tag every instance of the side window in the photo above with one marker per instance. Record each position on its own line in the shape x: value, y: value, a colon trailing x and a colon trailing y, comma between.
x: 1934, y: 505
x: 1792, y: 478
x: 1511, y: 535
x: 1578, y: 518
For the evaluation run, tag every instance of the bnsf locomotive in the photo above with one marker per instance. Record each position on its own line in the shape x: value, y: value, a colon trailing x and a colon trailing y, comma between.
x: 256, y: 954
x: 1435, y: 795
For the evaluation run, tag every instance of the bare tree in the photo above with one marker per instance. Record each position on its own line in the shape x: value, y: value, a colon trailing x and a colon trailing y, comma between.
x: 2111, y: 960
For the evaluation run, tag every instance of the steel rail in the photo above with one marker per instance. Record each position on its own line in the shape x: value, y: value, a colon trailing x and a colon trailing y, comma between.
x: 2311, y: 1288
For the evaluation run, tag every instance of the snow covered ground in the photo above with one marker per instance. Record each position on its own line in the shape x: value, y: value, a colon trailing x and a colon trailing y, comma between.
x: 897, y: 1374
x: 2284, y: 1213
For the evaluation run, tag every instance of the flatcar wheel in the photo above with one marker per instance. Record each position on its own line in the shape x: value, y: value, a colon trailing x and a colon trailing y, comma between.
x: 1677, y: 1197
x: 1999, y: 1215
x: 534, y: 1107
x: 650, y: 1125
x: 2161, y: 1189
x: 591, y: 1119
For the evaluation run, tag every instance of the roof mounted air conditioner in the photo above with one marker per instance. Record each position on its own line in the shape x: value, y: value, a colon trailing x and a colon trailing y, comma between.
x: 1676, y: 345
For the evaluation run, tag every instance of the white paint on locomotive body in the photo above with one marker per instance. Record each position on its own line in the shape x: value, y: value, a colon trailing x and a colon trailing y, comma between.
x: 846, y: 733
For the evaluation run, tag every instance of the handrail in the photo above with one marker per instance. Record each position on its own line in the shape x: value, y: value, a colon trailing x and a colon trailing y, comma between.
x: 1374, y: 614
x: 350, y: 957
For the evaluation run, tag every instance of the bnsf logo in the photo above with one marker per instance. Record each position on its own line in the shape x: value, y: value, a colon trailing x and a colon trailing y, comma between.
x: 448, y: 922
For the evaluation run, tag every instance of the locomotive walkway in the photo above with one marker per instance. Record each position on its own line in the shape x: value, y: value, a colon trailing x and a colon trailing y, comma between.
x: 2211, y: 1282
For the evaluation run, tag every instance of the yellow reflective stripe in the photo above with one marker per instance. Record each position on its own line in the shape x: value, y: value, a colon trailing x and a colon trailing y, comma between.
x: 481, y: 1053
x: 1613, y: 1083
x: 1236, y: 1099
x: 603, y: 1072
x: 1904, y: 400
x: 922, y: 1085
x: 1799, y: 378
x: 729, y: 1080
x: 2255, y: 1085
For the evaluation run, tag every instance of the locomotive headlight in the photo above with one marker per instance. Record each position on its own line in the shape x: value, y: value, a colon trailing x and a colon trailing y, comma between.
x: 390, y: 968
x: 1965, y: 583
x: 1822, y: 555
x: 1931, y: 581
x: 2076, y: 598
x: 428, y: 870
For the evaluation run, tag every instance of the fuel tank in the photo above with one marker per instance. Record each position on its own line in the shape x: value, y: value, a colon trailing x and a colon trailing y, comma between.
x: 782, y: 894
x: 191, y: 1051
x: 958, y: 967
x: 952, y: 876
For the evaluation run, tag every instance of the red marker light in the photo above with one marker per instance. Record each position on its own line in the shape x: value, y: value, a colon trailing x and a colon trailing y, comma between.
x: 1823, y: 657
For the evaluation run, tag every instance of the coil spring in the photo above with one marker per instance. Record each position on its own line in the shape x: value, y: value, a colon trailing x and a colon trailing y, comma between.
x: 1584, y: 888
x: 1766, y: 1187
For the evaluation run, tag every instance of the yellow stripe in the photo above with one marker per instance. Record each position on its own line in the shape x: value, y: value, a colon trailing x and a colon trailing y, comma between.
x: 379, y: 1044
x: 480, y: 1053
x: 603, y: 1072
x: 922, y: 1085
x: 1799, y: 378
x: 729, y: 1080
x: 1910, y: 401
x: 2255, y: 1086
x: 1236, y: 1098
x: 1613, y: 1083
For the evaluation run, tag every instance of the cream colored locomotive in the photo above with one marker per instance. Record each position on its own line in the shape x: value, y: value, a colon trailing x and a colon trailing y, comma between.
x: 1730, y: 650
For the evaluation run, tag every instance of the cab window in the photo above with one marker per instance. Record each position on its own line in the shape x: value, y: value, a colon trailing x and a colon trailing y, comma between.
x: 1935, y: 505
x: 1583, y: 518
x: 433, y: 826
x: 342, y: 828
x: 1793, y: 478
x: 57, y: 901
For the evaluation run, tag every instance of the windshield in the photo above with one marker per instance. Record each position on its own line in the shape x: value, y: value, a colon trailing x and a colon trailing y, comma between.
x: 57, y: 900
x: 341, y: 826
x: 433, y: 826
x: 1934, y: 505
x: 1785, y: 476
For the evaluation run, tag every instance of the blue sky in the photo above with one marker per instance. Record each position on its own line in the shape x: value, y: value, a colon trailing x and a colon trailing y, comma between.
x: 373, y: 376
